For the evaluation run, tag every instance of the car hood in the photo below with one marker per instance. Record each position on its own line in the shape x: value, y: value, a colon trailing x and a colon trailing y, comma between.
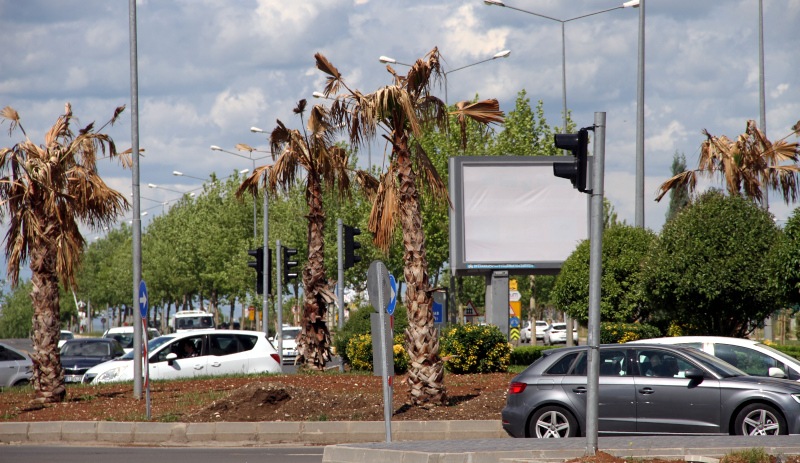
x: 105, y: 366
x: 786, y: 386
x: 82, y: 362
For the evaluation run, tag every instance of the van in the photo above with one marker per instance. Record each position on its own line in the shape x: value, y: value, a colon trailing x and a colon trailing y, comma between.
x: 124, y: 334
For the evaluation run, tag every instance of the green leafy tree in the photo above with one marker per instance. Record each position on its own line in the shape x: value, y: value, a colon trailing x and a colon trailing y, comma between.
x: 46, y: 191
x: 713, y: 270
x: 788, y: 259
x: 625, y: 248
x: 679, y: 195
x: 17, y: 314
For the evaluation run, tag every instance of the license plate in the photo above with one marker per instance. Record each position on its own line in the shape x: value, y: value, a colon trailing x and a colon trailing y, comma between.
x: 73, y: 378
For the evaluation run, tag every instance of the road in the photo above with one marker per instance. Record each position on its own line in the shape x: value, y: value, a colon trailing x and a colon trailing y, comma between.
x: 73, y: 454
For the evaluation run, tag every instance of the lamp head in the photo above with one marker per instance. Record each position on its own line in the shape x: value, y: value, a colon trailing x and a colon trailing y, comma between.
x: 502, y: 54
x: 386, y: 59
x: 494, y: 2
x: 631, y: 4
x: 318, y: 95
x: 216, y: 148
x: 256, y: 130
x: 177, y: 173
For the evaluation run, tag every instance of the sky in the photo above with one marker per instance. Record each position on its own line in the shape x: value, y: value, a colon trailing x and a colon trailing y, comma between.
x: 208, y: 70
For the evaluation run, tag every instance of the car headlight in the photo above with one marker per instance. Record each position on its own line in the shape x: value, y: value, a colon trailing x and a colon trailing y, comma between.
x: 109, y: 375
x: 796, y: 397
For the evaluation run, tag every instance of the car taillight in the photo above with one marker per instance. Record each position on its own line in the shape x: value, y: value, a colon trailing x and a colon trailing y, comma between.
x: 516, y: 388
x: 276, y: 357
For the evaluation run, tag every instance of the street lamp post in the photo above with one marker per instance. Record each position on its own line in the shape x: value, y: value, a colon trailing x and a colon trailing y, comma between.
x: 629, y: 4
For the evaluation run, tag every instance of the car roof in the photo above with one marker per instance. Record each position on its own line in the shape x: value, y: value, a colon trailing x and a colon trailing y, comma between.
x: 688, y: 339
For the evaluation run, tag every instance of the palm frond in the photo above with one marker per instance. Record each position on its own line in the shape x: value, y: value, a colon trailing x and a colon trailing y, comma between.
x: 384, y: 211
x: 300, y: 107
x: 484, y: 112
x: 430, y: 176
x: 244, y: 147
x: 10, y: 114
x: 687, y: 179
x: 333, y: 82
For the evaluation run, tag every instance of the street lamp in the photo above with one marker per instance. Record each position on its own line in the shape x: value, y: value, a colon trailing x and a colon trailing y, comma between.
x: 153, y: 185
x: 630, y: 4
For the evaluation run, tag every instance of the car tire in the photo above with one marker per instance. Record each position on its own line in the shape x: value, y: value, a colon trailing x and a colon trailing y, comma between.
x: 759, y: 420
x: 552, y: 422
x: 21, y: 383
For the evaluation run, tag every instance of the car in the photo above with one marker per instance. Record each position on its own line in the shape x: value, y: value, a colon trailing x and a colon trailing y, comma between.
x: 557, y: 333
x: 289, y: 343
x: 215, y: 352
x: 540, y: 326
x: 64, y: 336
x: 80, y: 354
x: 16, y: 368
x: 688, y: 392
x: 752, y: 357
x: 124, y: 335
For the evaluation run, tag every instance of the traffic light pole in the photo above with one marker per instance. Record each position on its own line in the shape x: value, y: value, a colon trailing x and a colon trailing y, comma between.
x: 595, y: 277
x: 340, y: 267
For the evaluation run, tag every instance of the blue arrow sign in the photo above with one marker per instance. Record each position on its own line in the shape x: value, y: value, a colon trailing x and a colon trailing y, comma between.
x: 393, y: 296
x: 143, y: 299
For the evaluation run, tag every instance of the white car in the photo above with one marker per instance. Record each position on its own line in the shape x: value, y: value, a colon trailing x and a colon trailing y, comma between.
x: 64, y: 336
x: 557, y: 333
x: 525, y: 332
x: 16, y: 368
x: 752, y: 357
x: 289, y: 343
x: 196, y: 353
x: 124, y: 334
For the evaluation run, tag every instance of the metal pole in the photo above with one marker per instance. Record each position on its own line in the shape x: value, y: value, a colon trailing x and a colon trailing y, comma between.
x: 564, y: 75
x: 595, y: 277
x: 340, y: 266
x: 267, y: 282
x: 639, y: 204
x: 279, y: 294
x: 387, y: 392
x: 137, y: 217
x: 762, y: 104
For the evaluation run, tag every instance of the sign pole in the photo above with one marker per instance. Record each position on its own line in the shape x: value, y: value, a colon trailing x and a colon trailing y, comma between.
x: 144, y: 304
x: 378, y: 288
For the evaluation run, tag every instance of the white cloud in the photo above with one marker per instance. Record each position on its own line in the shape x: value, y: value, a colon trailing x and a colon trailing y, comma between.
x: 234, y: 110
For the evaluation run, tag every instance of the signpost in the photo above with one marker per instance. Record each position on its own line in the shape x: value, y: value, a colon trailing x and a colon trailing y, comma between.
x: 379, y: 288
x: 143, y: 306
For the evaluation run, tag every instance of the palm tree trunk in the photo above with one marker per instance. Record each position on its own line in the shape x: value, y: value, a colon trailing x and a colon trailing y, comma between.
x: 314, y: 343
x: 48, y: 377
x: 426, y: 372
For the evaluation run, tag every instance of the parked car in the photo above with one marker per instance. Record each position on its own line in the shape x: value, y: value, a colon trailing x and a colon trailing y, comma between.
x: 557, y: 333
x: 16, y: 368
x: 80, y: 354
x: 124, y: 335
x: 289, y: 343
x: 189, y: 354
x: 64, y: 337
x: 648, y: 389
x: 540, y: 327
x: 752, y: 357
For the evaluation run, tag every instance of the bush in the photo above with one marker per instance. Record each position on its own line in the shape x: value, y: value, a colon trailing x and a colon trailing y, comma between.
x: 475, y: 349
x: 613, y: 332
x: 359, y: 351
x: 358, y: 323
x: 525, y: 355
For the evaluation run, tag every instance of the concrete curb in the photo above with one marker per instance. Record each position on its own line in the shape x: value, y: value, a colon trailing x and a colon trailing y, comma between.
x: 242, y: 433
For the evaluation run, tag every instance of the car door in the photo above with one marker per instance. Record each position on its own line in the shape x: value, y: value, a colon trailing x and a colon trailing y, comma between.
x: 9, y: 365
x: 181, y: 367
x: 226, y: 355
x: 666, y: 402
x: 616, y: 398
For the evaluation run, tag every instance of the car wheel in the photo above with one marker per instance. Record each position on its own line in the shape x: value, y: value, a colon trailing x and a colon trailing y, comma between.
x: 22, y: 382
x: 759, y: 420
x: 552, y: 422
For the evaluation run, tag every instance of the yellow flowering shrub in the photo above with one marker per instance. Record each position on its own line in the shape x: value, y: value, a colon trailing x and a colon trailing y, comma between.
x: 359, y: 351
x: 475, y: 349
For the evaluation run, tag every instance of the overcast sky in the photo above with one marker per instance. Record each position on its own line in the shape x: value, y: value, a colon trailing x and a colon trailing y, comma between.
x: 211, y: 69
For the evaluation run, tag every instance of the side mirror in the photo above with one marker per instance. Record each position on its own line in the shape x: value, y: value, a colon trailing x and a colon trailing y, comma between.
x: 171, y: 357
x: 775, y: 372
x: 695, y: 376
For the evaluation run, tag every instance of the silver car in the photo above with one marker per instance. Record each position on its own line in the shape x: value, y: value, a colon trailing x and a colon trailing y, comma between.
x: 648, y: 389
x: 16, y: 368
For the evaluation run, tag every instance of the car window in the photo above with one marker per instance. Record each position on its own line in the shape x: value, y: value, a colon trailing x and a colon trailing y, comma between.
x: 750, y: 361
x: 561, y: 367
x: 613, y: 362
x: 662, y: 364
x: 247, y: 341
x: 8, y: 355
x: 290, y: 334
x: 181, y: 348
x: 223, y: 344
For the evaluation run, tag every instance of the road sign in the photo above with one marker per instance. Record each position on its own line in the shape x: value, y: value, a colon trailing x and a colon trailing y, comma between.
x: 513, y: 322
x: 143, y: 299
x: 469, y: 310
x: 378, y: 285
x: 514, y: 296
x: 514, y: 334
x: 393, y: 296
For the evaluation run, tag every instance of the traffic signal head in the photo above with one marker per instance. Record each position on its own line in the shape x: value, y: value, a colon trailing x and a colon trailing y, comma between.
x: 350, y: 246
x: 258, y: 266
x: 289, y: 263
x: 575, y: 170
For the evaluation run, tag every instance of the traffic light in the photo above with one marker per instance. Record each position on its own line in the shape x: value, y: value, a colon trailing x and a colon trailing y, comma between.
x: 350, y: 246
x: 258, y: 265
x: 288, y: 264
x: 575, y: 170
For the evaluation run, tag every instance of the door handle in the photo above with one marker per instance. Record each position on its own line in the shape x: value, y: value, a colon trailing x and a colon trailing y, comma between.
x: 646, y: 390
x: 198, y: 367
x: 579, y: 390
x: 216, y: 364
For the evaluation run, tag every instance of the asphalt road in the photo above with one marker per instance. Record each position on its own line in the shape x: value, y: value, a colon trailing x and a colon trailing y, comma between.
x: 73, y: 454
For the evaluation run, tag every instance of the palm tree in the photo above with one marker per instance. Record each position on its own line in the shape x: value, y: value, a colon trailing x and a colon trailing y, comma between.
x: 45, y: 191
x: 751, y: 165
x: 325, y: 165
x: 400, y: 110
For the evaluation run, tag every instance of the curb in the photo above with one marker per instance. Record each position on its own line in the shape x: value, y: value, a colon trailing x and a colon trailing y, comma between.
x: 242, y: 433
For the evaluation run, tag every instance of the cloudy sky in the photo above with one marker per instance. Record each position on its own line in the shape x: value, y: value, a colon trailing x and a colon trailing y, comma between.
x: 211, y: 69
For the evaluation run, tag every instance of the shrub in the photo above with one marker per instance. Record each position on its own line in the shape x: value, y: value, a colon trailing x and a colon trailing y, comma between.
x: 475, y: 349
x: 613, y: 332
x: 359, y: 351
x: 358, y: 323
x: 525, y: 355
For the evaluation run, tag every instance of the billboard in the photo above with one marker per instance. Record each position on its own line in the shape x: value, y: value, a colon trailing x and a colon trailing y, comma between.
x: 511, y: 213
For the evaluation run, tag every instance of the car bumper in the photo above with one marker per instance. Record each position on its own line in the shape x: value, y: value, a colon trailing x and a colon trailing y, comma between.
x: 513, y: 421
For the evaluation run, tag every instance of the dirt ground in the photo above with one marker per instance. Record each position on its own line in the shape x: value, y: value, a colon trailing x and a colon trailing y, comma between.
x: 328, y: 396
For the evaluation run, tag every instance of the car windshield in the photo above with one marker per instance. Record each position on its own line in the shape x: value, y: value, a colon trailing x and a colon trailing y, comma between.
x: 290, y: 334
x: 151, y: 345
x: 718, y: 366
x: 86, y: 349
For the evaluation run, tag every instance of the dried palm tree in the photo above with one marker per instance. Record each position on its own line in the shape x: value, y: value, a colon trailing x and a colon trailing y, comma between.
x: 326, y: 166
x: 401, y: 110
x: 45, y: 191
x: 750, y: 166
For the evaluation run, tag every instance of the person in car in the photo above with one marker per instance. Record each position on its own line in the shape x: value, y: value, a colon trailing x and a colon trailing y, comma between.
x: 189, y: 349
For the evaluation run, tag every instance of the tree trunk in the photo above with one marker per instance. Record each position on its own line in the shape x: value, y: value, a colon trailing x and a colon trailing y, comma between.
x: 313, y: 347
x: 48, y: 377
x: 426, y: 371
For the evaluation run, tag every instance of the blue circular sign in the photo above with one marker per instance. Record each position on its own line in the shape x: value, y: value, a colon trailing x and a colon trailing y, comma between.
x: 143, y: 299
x: 513, y: 322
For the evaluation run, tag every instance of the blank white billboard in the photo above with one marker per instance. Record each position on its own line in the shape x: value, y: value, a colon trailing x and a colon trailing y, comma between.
x: 512, y: 213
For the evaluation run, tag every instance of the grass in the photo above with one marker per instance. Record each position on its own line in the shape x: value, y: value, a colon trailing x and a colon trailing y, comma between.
x: 754, y: 455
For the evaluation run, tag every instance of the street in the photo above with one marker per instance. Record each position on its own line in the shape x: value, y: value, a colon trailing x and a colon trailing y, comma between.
x: 74, y: 454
